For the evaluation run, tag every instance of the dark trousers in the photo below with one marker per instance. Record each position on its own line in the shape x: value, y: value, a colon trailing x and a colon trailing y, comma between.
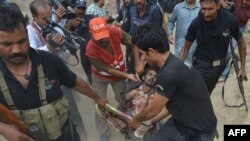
x: 130, y: 60
x: 69, y: 133
x: 169, y: 132
x: 209, y: 72
x: 84, y: 59
x: 86, y: 64
x: 84, y: 32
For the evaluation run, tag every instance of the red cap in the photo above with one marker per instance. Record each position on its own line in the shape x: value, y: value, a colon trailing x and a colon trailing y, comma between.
x: 99, y: 28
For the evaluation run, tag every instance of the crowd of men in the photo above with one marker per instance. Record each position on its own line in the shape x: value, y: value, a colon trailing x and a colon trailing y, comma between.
x: 36, y: 83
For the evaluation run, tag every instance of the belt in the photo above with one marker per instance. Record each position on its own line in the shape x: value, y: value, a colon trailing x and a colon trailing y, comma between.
x: 211, y: 63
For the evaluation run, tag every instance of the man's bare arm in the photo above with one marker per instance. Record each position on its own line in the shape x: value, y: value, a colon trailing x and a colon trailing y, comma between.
x: 131, y: 94
x: 126, y: 39
x: 242, y: 51
x: 11, y: 133
x: 85, y: 89
x: 154, y: 108
x: 101, y: 66
x: 164, y: 113
x: 185, y: 50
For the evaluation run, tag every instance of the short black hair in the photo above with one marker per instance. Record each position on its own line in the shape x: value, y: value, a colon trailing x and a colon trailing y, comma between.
x: 147, y: 68
x: 151, y: 36
x: 11, y: 17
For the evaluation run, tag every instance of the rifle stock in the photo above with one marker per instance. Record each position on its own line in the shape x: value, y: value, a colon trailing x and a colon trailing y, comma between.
x: 33, y: 131
x: 239, y: 79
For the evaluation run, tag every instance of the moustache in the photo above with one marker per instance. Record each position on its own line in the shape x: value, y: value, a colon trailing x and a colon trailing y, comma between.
x: 152, y: 80
x: 17, y: 55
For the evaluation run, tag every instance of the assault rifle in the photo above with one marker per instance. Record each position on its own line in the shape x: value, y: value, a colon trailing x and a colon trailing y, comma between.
x: 236, y: 68
x: 33, y: 131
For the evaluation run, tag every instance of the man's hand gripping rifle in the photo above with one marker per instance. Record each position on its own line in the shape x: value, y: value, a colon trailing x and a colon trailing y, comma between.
x: 33, y: 131
x: 239, y: 79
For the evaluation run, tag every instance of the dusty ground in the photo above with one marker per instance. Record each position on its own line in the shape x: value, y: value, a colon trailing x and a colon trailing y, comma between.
x: 224, y: 114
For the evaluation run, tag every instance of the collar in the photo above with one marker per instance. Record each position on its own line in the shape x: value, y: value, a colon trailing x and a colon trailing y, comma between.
x: 37, y: 26
x: 185, y: 5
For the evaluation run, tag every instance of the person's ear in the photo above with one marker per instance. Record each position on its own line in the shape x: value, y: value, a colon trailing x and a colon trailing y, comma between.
x: 151, y: 50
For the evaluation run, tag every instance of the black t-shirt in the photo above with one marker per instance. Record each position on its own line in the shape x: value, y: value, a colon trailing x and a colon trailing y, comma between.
x: 56, y: 74
x: 213, y: 36
x: 189, y: 101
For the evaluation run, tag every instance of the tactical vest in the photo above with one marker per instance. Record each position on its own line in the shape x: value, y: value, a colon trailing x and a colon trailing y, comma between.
x: 50, y: 117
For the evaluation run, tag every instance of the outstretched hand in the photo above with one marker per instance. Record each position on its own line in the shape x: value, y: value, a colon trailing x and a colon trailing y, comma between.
x: 242, y: 75
x: 134, y: 124
x: 101, y: 102
x: 171, y: 39
x: 132, y: 77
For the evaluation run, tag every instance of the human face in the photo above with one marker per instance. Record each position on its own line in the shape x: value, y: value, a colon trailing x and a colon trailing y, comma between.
x: 14, y: 46
x: 102, y: 3
x: 147, y: 56
x: 246, y: 3
x: 80, y: 12
x: 103, y: 42
x: 209, y: 10
x: 44, y: 12
x: 150, y: 78
x: 191, y: 1
x: 140, y: 4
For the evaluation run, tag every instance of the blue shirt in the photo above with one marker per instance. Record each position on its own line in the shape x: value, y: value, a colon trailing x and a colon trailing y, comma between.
x: 182, y: 16
x: 152, y: 15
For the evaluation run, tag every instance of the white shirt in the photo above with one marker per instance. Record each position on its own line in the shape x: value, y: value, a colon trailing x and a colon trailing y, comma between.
x: 36, y: 40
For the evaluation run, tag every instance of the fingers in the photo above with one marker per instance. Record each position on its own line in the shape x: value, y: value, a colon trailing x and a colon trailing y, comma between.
x: 54, y: 43
x: 60, y: 12
x: 134, y: 124
x: 171, y: 39
x: 27, y: 138
x: 102, y: 102
x: 132, y: 77
x: 58, y: 38
x: 137, y: 77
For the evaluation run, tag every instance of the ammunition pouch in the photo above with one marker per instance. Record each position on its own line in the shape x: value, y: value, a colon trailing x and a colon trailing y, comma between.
x: 50, y: 118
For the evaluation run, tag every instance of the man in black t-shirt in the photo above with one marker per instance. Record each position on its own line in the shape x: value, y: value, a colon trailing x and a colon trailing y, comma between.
x: 31, y: 81
x: 212, y: 29
x: 180, y: 89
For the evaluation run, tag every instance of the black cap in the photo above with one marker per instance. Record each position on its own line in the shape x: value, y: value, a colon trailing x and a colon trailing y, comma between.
x: 80, y: 4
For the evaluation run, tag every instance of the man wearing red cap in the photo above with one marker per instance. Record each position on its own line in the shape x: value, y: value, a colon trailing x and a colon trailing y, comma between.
x: 108, y: 65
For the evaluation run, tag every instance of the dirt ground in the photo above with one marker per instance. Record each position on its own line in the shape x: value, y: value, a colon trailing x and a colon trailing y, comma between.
x: 224, y: 114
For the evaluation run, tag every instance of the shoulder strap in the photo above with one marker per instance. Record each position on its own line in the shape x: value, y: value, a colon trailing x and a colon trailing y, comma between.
x: 41, y: 81
x: 6, y: 92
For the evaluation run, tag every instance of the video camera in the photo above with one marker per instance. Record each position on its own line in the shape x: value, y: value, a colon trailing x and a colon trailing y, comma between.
x: 69, y: 12
x: 72, y: 41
